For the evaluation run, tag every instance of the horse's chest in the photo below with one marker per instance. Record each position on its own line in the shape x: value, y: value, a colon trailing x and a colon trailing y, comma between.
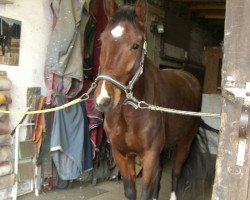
x: 122, y: 139
x: 131, y: 132
x: 126, y: 142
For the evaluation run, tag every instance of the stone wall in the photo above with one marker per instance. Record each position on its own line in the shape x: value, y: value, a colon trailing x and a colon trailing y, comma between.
x: 7, y: 176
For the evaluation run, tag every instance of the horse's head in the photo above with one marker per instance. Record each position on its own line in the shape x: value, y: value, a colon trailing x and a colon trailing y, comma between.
x: 121, y: 51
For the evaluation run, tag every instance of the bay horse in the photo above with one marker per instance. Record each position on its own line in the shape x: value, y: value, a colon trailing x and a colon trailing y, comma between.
x: 139, y: 132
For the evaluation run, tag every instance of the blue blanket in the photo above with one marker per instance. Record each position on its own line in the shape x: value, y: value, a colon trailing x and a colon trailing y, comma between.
x: 70, y: 148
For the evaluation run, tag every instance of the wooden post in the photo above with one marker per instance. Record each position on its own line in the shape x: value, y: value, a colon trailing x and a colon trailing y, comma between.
x: 232, y: 181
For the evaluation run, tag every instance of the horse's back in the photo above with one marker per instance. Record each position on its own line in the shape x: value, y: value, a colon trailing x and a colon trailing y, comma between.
x: 177, y: 89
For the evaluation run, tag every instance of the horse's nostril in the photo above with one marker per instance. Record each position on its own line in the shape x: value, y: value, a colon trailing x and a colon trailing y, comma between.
x: 104, y: 104
x: 107, y: 102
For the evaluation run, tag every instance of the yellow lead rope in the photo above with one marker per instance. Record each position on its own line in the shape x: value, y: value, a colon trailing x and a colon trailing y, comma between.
x: 75, y: 101
x: 83, y: 97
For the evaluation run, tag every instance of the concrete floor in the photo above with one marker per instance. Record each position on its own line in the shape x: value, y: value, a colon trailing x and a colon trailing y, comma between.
x: 106, y: 190
x: 195, y: 183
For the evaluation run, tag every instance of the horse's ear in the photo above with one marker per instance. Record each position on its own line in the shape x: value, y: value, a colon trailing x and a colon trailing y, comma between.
x: 110, y: 7
x: 141, y: 11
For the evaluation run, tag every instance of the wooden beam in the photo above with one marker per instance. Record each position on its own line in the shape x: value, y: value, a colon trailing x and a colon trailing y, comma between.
x: 211, y: 14
x: 156, y: 11
x: 207, y: 6
x: 216, y: 22
x: 231, y: 180
x: 201, y: 1
x: 214, y: 17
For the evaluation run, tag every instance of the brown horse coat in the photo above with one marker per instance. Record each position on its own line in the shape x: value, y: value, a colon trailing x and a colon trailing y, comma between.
x: 167, y: 88
x: 134, y: 132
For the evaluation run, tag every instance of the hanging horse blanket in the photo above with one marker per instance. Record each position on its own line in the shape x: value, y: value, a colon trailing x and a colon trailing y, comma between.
x: 95, y: 119
x: 64, y: 62
x: 70, y: 147
x: 101, y: 22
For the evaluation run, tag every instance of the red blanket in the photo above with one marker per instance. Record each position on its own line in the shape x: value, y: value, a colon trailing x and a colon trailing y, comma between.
x: 95, y: 119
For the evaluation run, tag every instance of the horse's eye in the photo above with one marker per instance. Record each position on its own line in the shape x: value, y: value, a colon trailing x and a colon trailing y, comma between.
x: 135, y: 46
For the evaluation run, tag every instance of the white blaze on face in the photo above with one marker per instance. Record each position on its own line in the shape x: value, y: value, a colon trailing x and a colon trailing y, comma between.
x: 173, y: 196
x: 103, y: 94
x: 117, y: 31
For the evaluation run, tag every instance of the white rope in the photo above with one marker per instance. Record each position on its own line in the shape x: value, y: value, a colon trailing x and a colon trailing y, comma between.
x: 144, y: 105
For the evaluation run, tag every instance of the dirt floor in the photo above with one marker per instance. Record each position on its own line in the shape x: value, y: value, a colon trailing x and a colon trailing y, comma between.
x: 106, y: 190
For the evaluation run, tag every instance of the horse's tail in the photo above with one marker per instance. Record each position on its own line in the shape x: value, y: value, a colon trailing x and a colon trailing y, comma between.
x: 198, y: 172
x: 208, y: 127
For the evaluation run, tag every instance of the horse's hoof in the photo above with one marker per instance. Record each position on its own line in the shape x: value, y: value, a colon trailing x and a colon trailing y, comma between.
x: 115, y: 178
x: 173, y: 196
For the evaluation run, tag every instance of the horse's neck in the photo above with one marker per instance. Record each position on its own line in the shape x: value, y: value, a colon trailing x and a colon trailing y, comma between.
x: 144, y: 87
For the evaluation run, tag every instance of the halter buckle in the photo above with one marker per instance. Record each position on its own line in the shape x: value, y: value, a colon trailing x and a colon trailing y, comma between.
x: 145, y: 45
x: 129, y: 93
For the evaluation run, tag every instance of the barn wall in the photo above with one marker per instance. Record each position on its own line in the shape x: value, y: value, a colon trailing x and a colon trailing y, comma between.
x: 35, y: 30
x: 233, y: 166
x: 199, y: 37
x: 178, y: 23
x: 155, y: 40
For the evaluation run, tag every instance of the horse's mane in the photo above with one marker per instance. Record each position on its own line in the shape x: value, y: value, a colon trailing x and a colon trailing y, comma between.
x: 124, y: 13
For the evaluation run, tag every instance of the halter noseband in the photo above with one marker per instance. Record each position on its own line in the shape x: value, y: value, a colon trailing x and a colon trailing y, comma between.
x: 127, y: 89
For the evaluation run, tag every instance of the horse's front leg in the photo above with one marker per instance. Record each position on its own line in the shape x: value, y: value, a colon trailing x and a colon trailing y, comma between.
x: 152, y: 171
x: 3, y: 49
x: 126, y: 165
x: 9, y: 49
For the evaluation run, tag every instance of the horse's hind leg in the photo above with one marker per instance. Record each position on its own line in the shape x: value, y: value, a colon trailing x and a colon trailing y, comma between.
x: 182, y: 152
x: 151, y: 175
x: 9, y: 50
x: 158, y: 185
x: 126, y: 165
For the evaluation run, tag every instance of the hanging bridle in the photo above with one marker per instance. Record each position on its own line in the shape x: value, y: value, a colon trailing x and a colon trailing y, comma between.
x: 130, y: 99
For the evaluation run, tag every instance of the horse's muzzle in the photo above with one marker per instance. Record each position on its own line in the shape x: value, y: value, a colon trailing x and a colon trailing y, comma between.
x: 105, y: 104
